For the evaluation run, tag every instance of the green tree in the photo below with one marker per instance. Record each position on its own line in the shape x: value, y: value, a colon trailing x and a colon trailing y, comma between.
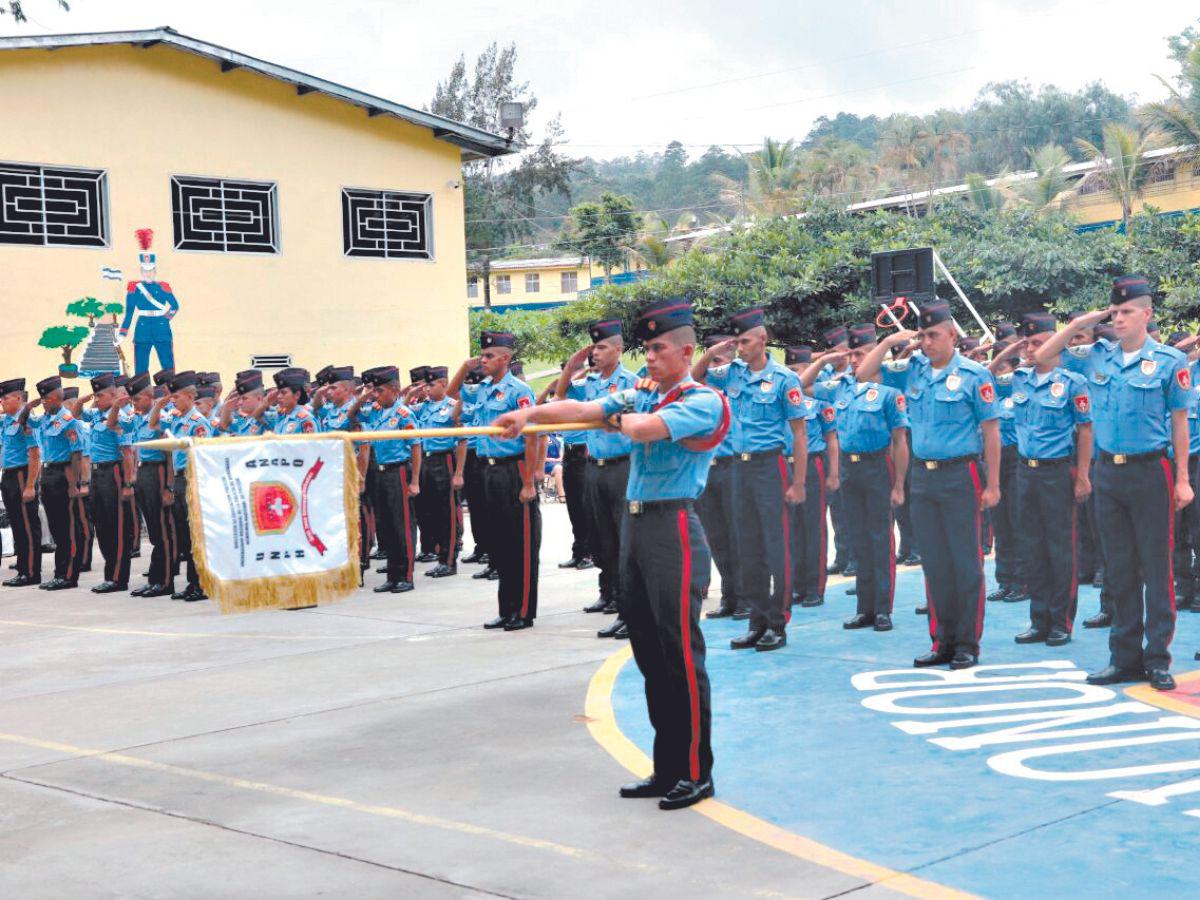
x: 86, y: 308
x: 64, y: 338
x: 114, y: 309
x: 982, y: 196
x: 604, y: 230
x: 773, y: 183
x: 1051, y: 185
x: 1121, y: 165
x: 1178, y: 117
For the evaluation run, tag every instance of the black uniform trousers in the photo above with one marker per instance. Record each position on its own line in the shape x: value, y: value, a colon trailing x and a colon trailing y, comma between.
x: 67, y: 520
x: 394, y: 518
x: 716, y: 510
x: 574, y: 464
x: 665, y: 569
x: 762, y: 534
x: 443, y: 512
x: 947, y: 522
x: 1135, y: 507
x: 867, y: 495
x: 809, y: 550
x: 114, y: 525
x: 25, y: 522
x: 604, y: 496
x: 89, y: 531
x: 1187, y: 536
x: 843, y: 548
x: 514, y: 535
x: 1089, y: 555
x: 1048, y: 527
x: 425, y: 515
x: 183, y: 531
x: 366, y: 512
x: 903, y: 512
x: 1005, y: 516
x: 476, y: 503
x: 152, y: 480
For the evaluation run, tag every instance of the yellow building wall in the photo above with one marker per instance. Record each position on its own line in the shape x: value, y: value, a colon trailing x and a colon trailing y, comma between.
x: 147, y: 114
x: 1174, y: 195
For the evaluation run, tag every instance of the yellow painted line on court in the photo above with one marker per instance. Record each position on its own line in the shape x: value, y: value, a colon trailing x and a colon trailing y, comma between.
x: 198, y: 634
x: 602, y: 724
x: 262, y: 787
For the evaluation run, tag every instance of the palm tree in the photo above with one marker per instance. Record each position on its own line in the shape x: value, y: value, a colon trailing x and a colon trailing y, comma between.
x: 835, y: 168
x: 1121, y: 165
x: 772, y: 184
x: 1051, y: 185
x: 905, y: 149
x: 947, y: 142
x: 652, y: 249
x: 1178, y: 118
x: 982, y: 196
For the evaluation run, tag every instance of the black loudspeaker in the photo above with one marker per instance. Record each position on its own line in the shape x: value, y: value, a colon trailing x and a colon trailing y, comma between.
x: 902, y: 273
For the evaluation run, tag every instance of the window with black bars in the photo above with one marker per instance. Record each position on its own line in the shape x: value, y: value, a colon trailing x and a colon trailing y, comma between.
x: 224, y: 216
x: 386, y: 224
x: 49, y: 206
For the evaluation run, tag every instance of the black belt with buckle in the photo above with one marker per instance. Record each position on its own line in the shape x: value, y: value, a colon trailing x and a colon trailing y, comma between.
x: 96, y: 466
x: 863, y: 457
x: 56, y: 465
x: 1042, y: 463
x: 1121, y: 459
x: 502, y: 460
x: 608, y: 460
x: 431, y: 454
x: 932, y: 464
x: 722, y: 460
x: 759, y: 454
x: 385, y: 467
x: 641, y: 507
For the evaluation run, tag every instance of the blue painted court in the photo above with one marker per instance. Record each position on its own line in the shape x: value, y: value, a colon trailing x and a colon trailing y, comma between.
x: 1014, y: 814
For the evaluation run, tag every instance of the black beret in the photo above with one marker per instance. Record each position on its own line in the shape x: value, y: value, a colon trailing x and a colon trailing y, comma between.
x: 433, y: 373
x: 1105, y: 331
x: 862, y: 334
x: 497, y: 339
x: 380, y: 375
x: 163, y: 376
x: 474, y: 376
x: 71, y: 393
x: 207, y: 379
x: 137, y: 383
x: 417, y: 374
x: 1129, y: 287
x: 121, y: 380
x: 49, y: 385
x: 598, y: 331
x: 1005, y: 330
x: 662, y: 316
x: 968, y: 342
x: 207, y: 392
x: 794, y: 356
x: 292, y: 377
x: 181, y: 380
x: 248, y: 380
x: 1037, y: 323
x: 103, y: 382
x: 11, y: 386
x: 745, y: 319
x: 935, y: 313
x: 838, y: 334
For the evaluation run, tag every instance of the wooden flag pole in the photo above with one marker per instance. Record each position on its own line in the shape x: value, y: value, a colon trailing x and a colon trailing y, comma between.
x: 409, y: 434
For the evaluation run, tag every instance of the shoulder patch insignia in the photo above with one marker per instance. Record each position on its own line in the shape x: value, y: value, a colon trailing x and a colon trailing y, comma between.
x: 1184, y: 377
x: 987, y: 393
x: 901, y: 403
x: 1082, y: 403
x: 524, y: 403
x: 794, y: 395
x: 1149, y: 366
x: 828, y: 414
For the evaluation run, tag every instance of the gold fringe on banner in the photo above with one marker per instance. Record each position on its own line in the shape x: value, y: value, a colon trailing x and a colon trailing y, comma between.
x: 287, y: 591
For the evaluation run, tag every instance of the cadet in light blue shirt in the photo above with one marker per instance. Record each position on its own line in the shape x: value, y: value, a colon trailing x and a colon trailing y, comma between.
x: 112, y: 477
x: 64, y: 480
x: 675, y: 426
x: 22, y: 463
x: 440, y: 511
x: 470, y: 471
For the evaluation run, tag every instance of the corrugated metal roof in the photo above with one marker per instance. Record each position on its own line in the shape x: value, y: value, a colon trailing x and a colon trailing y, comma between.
x: 474, y: 142
x: 549, y: 262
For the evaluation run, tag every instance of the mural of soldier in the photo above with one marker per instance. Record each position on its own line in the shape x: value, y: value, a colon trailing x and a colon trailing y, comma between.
x: 154, y: 305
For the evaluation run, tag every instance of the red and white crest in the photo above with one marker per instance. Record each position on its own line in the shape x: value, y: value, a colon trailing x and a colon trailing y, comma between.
x: 795, y: 396
x: 828, y: 414
x: 524, y: 402
x: 987, y: 393
x: 1082, y: 403
x: 1185, y: 379
x: 901, y: 403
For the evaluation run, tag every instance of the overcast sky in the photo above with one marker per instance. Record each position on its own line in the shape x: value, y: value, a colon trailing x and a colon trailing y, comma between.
x: 631, y: 75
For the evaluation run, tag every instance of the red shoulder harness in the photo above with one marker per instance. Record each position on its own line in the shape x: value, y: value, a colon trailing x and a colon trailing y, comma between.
x: 700, y: 444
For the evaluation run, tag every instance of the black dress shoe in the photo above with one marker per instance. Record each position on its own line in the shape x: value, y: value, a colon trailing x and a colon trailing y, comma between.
x: 721, y: 612
x: 381, y: 570
x: 810, y: 602
x: 110, y: 587
x: 1113, y: 675
x: 1161, y: 680
x: 610, y: 608
x: 852, y: 591
x: 517, y: 624
x: 611, y: 629
x: 482, y: 573
x: 747, y: 640
x: 1017, y: 595
x: 1099, y: 620
x: 61, y: 584
x: 597, y: 606
x: 933, y: 658
x: 964, y: 660
x: 498, y: 622
x: 851, y: 570
x: 426, y: 557
x: 195, y: 593
x: 922, y: 610
x: 647, y: 787
x: 567, y: 564
x: 442, y: 571
x: 998, y: 594
x: 182, y: 595
x: 402, y: 587
x: 883, y: 622
x: 22, y: 581
x: 1031, y: 637
x: 771, y: 640
x: 859, y: 620
x: 741, y: 615
x: 622, y: 633
x: 686, y: 793
x: 379, y: 554
x: 1057, y: 637
x: 913, y: 559
x: 386, y: 588
x: 585, y: 563
x: 46, y: 585
x: 140, y: 592
x: 493, y: 574
x: 477, y: 557
x: 159, y: 590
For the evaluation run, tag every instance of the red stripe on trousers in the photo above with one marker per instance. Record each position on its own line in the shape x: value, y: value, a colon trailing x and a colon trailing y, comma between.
x: 891, y: 467
x: 982, y: 581
x: 1170, y: 543
x: 1072, y: 598
x: 787, y: 541
x: 453, y: 518
x: 25, y: 516
x: 526, y: 550
x: 685, y: 631
x: 71, y: 573
x: 823, y: 539
x: 408, y: 537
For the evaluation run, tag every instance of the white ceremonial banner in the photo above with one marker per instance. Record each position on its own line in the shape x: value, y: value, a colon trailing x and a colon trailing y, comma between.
x: 278, y: 520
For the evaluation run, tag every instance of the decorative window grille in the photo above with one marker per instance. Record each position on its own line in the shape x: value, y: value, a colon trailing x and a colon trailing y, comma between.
x: 53, y: 207
x: 224, y: 216
x: 533, y: 282
x: 570, y: 282
x: 503, y: 284
x: 271, y: 361
x: 473, y: 286
x: 386, y: 224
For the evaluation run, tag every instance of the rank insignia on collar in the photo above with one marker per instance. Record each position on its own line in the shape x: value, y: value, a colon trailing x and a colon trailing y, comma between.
x: 1057, y: 389
x: 871, y: 395
x: 953, y: 382
x: 1149, y: 366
